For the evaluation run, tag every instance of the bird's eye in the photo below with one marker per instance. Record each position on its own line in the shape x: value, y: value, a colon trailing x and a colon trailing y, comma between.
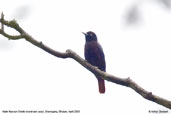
x: 91, y: 34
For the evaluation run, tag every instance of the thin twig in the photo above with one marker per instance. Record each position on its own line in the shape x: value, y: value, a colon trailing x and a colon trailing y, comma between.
x: 2, y: 17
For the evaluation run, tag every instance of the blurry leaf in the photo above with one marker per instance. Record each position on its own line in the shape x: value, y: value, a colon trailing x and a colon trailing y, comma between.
x: 166, y: 3
x: 133, y: 15
x: 22, y: 12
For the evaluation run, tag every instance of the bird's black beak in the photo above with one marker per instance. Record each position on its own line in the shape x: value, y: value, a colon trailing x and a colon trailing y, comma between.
x: 84, y: 33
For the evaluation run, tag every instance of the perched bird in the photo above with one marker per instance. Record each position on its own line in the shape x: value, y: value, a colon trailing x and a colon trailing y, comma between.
x: 93, y: 53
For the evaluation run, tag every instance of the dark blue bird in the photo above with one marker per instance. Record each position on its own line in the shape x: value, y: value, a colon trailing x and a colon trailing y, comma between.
x: 93, y: 53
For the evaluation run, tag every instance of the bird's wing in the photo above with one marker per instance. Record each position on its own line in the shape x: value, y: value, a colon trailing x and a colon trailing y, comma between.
x: 101, y: 58
x: 95, y: 56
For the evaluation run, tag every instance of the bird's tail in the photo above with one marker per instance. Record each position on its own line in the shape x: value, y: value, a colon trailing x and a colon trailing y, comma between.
x: 101, y: 84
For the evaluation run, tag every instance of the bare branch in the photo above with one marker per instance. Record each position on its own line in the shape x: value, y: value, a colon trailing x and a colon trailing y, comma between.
x: 15, y: 37
x: 71, y: 54
x: 2, y: 17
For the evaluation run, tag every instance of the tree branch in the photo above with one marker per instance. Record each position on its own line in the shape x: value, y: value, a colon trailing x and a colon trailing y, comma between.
x: 71, y: 54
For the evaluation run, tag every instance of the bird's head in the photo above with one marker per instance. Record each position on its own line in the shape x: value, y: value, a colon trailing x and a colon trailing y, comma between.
x: 90, y: 36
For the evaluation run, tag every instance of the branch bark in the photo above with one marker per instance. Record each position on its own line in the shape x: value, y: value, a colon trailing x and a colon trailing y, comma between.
x: 71, y: 54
